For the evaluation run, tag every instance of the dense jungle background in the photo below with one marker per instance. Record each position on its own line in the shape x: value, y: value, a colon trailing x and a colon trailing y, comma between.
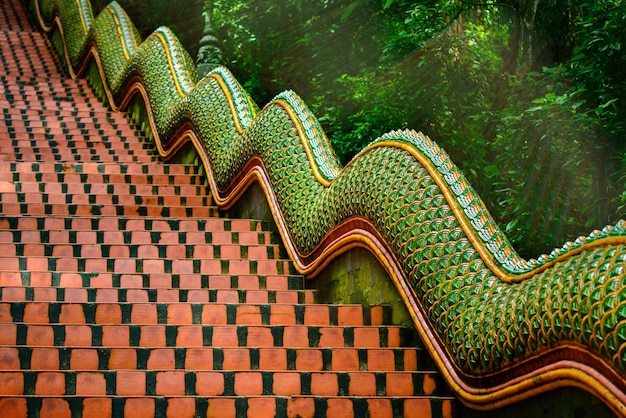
x: 527, y: 96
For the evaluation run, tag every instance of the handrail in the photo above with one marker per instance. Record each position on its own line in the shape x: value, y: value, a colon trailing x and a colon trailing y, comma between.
x: 500, y: 328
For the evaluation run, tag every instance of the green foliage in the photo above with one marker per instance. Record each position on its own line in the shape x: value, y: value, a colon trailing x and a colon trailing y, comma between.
x: 528, y: 97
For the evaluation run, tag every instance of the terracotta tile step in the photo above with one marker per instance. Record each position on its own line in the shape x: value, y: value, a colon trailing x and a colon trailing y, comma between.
x: 152, y: 281
x: 215, y: 383
x: 76, y: 158
x: 106, y: 204
x: 100, y: 150
x: 94, y: 193
x: 98, y: 209
x: 45, y: 229
x: 160, y: 186
x: 74, y: 143
x: 112, y: 231
x: 209, y: 358
x: 145, y: 265
x: 144, y: 295
x: 162, y: 232
x: 196, y: 335
x: 116, y: 306
x: 21, y: 406
x: 56, y: 116
x: 37, y: 181
x: 41, y: 169
x: 164, y: 251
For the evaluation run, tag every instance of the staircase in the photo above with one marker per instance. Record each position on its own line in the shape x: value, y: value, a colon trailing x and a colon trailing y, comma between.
x: 123, y: 293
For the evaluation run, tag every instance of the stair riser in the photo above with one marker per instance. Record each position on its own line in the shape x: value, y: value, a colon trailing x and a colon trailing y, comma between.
x: 208, y: 358
x: 214, y: 407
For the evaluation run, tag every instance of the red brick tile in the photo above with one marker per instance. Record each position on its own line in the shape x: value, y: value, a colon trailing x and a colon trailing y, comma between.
x: 362, y: 384
x: 179, y: 314
x: 248, y: 384
x: 90, y: 384
x: 49, y: 383
x: 197, y: 296
x: 115, y: 336
x: 272, y: 359
x: 282, y: 315
x: 324, y: 384
x: 40, y: 335
x: 170, y: 383
x: 309, y: 360
x: 419, y: 407
x: 209, y: 383
x: 152, y: 266
x: 220, y: 408
x: 257, y: 296
x: 44, y: 359
x: 11, y: 384
x: 162, y: 359
x: 339, y: 407
x: 199, y: 359
x: 14, y: 294
x: 72, y: 314
x: 366, y: 337
x: 236, y: 359
x: 14, y: 407
x: 429, y: 385
x: 108, y: 313
x: 380, y: 360
x: 277, y: 282
x: 76, y: 295
x: 286, y: 384
x: 181, y: 408
x: 55, y: 408
x: 139, y: 408
x: 227, y: 296
x: 399, y: 384
x: 214, y: 314
x: 7, y: 332
x: 301, y: 407
x: 290, y: 297
x: 189, y: 336
x: 9, y: 358
x: 77, y: 336
x: 331, y: 337
x: 45, y: 294
x: 260, y: 337
x: 131, y: 383
x: 84, y: 359
x: 144, y: 313
x: 264, y: 407
x: 382, y: 408
x: 249, y: 315
x: 123, y: 359
x: 296, y: 336
x: 152, y: 336
x: 97, y: 408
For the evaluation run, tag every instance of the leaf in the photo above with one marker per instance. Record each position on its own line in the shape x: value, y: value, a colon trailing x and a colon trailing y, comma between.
x: 387, y: 4
x: 351, y: 7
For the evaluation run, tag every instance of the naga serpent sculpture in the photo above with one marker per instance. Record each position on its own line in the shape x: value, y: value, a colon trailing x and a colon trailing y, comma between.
x: 500, y: 328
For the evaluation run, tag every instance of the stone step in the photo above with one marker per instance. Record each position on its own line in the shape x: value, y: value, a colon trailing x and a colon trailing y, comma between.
x: 233, y: 381
x: 143, y: 295
x: 228, y: 406
x: 150, y: 265
x: 107, y: 231
x: 38, y: 181
x: 199, y: 335
x: 215, y: 358
x: 152, y: 282
x: 105, y: 307
x: 100, y: 207
x: 76, y: 158
x: 46, y: 168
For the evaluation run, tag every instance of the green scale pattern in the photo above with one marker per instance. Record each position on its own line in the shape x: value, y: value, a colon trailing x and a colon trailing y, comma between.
x: 575, y: 296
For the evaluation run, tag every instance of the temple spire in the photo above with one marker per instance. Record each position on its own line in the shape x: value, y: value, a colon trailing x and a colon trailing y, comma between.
x: 209, y: 53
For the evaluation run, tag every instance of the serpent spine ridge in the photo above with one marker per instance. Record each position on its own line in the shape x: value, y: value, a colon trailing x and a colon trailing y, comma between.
x: 501, y: 328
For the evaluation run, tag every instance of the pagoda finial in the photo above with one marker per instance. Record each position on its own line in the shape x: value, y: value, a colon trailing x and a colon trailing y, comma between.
x: 209, y: 53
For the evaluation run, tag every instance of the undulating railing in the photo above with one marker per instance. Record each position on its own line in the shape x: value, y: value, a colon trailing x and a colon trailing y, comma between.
x: 501, y: 328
